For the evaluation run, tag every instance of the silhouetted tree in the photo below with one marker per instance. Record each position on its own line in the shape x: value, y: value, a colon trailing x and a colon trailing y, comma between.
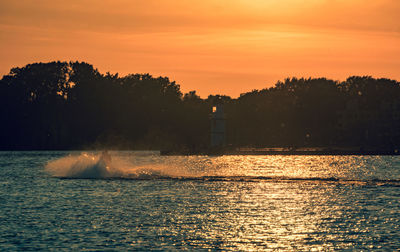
x: 64, y: 105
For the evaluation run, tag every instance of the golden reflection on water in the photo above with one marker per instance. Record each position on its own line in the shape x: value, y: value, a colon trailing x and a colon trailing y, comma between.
x: 339, y: 167
x: 277, y: 203
x: 280, y: 213
x: 273, y: 216
x: 301, y: 203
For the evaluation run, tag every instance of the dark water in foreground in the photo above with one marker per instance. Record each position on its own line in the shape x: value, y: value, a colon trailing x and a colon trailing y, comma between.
x: 144, y: 201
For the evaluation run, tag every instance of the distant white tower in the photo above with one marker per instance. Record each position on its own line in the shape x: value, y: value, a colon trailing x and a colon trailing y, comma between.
x: 218, y: 126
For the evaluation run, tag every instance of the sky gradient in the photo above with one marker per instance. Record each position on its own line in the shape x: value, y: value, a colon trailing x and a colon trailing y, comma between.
x: 213, y: 47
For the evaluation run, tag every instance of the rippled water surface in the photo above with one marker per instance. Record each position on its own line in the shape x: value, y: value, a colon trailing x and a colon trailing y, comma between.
x: 141, y: 201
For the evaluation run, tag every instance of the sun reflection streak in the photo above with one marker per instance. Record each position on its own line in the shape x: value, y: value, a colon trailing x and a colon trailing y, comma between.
x: 273, y: 216
x: 299, y: 167
x: 289, y: 206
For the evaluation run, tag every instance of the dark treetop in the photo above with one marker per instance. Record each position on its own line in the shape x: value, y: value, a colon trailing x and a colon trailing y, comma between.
x: 70, y: 105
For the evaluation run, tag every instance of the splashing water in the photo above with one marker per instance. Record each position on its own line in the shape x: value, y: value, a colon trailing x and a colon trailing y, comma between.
x: 93, y: 166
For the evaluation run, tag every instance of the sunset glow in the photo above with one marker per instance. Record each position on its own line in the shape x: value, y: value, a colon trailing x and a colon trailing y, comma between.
x: 225, y: 47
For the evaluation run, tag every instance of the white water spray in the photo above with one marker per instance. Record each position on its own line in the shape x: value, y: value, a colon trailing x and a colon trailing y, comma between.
x: 93, y: 166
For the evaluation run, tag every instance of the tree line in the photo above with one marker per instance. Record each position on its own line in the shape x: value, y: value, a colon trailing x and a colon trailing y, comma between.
x: 71, y: 105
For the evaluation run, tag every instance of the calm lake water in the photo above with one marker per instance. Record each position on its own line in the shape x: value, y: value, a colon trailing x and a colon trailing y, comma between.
x: 141, y: 201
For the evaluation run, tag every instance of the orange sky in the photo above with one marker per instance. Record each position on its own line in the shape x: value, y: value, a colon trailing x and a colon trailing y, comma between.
x: 225, y: 46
